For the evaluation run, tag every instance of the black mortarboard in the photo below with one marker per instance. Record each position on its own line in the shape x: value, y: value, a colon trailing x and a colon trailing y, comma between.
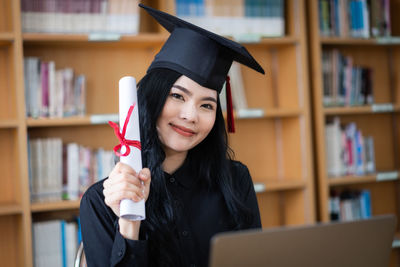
x: 201, y: 55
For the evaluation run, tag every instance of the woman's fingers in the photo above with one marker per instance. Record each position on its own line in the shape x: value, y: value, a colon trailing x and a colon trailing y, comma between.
x: 124, y: 187
x: 123, y: 168
x: 145, y: 176
x: 124, y: 183
x: 114, y: 198
x: 123, y: 177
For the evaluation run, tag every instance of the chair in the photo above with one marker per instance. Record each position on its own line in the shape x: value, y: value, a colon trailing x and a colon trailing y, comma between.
x: 80, y: 259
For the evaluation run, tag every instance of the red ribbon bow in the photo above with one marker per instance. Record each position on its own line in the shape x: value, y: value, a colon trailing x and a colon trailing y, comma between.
x: 121, y: 136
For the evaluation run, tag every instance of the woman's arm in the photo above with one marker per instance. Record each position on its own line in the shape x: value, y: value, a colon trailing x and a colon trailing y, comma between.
x: 109, y: 240
x: 245, y: 187
x: 102, y: 241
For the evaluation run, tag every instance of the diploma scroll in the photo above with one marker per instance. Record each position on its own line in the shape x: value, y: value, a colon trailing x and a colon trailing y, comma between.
x: 129, y: 209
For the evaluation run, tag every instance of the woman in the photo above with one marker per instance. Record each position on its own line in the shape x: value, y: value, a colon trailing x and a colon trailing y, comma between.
x: 191, y: 187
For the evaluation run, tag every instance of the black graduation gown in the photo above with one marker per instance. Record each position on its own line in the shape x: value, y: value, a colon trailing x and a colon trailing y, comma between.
x: 200, y: 215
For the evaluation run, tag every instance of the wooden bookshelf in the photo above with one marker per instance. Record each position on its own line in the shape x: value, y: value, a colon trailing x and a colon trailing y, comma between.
x: 276, y: 146
x: 380, y: 120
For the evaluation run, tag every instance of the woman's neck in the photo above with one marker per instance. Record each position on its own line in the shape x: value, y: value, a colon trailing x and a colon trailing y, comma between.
x: 173, y: 160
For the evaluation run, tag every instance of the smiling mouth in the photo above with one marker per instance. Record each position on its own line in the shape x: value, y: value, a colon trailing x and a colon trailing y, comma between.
x: 182, y: 130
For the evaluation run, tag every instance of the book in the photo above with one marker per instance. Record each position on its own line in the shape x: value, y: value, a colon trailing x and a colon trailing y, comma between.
x: 349, y: 204
x: 54, y: 166
x: 53, y: 93
x: 354, y: 18
x: 55, y: 243
x: 89, y: 16
x: 348, y: 152
x: 344, y: 83
x: 235, y: 18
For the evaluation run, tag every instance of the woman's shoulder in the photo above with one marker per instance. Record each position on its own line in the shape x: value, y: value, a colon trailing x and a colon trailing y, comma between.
x: 94, y: 193
x: 241, y: 178
x: 238, y: 167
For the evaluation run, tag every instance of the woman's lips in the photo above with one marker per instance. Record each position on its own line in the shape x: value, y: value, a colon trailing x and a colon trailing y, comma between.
x: 182, y: 130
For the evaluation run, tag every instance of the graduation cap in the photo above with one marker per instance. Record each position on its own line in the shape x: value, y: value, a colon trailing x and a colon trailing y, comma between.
x: 201, y: 55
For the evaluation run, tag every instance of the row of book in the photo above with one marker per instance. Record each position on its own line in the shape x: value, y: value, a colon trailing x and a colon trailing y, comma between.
x: 80, y: 16
x: 55, y: 243
x: 348, y: 152
x: 355, y: 18
x: 239, y: 98
x: 344, y: 83
x: 53, y: 93
x: 350, y: 205
x: 235, y: 18
x: 60, y: 171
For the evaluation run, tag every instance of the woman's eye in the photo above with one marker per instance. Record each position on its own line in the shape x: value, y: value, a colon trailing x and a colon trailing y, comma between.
x: 208, y: 106
x: 177, y: 96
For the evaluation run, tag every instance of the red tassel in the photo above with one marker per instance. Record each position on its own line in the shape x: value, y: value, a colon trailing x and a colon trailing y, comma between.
x: 229, y: 106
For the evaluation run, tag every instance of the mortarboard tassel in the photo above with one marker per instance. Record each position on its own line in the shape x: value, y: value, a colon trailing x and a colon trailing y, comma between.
x: 229, y: 106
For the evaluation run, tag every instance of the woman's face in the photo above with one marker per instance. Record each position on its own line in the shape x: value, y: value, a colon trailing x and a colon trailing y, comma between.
x: 187, y: 117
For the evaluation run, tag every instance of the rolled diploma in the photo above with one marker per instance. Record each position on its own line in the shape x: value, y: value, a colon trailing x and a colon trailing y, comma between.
x: 130, y: 210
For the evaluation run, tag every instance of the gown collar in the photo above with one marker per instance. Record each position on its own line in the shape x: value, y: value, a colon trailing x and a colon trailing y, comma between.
x: 184, y: 175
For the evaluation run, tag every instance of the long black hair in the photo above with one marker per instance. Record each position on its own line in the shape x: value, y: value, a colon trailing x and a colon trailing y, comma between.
x: 212, y: 162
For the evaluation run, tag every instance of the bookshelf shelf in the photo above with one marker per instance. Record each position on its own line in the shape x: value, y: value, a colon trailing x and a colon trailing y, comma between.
x: 10, y: 209
x: 55, y: 206
x: 140, y: 39
x: 396, y: 241
x: 284, y: 112
x: 359, y: 41
x: 47, y: 122
x: 8, y: 123
x: 370, y: 109
x: 283, y: 185
x: 6, y: 38
x: 269, y: 113
x: 278, y: 185
x: 348, y: 180
x: 137, y: 40
x: 287, y: 40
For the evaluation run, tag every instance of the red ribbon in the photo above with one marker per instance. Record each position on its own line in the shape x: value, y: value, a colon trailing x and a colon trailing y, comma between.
x: 121, y: 136
x: 229, y: 107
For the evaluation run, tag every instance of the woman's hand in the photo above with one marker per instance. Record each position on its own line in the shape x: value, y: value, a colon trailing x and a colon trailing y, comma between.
x: 124, y: 183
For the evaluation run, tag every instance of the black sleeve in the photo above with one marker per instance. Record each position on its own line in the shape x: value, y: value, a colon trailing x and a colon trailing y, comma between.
x: 102, y: 242
x: 245, y: 191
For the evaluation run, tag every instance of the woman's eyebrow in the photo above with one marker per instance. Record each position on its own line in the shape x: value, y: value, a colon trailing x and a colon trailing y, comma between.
x: 209, y: 98
x: 182, y: 89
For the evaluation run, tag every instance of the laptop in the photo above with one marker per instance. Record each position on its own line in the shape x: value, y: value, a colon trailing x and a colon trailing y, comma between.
x: 366, y: 243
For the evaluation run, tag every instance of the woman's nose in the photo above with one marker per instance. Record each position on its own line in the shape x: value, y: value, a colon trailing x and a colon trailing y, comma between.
x: 189, y: 112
